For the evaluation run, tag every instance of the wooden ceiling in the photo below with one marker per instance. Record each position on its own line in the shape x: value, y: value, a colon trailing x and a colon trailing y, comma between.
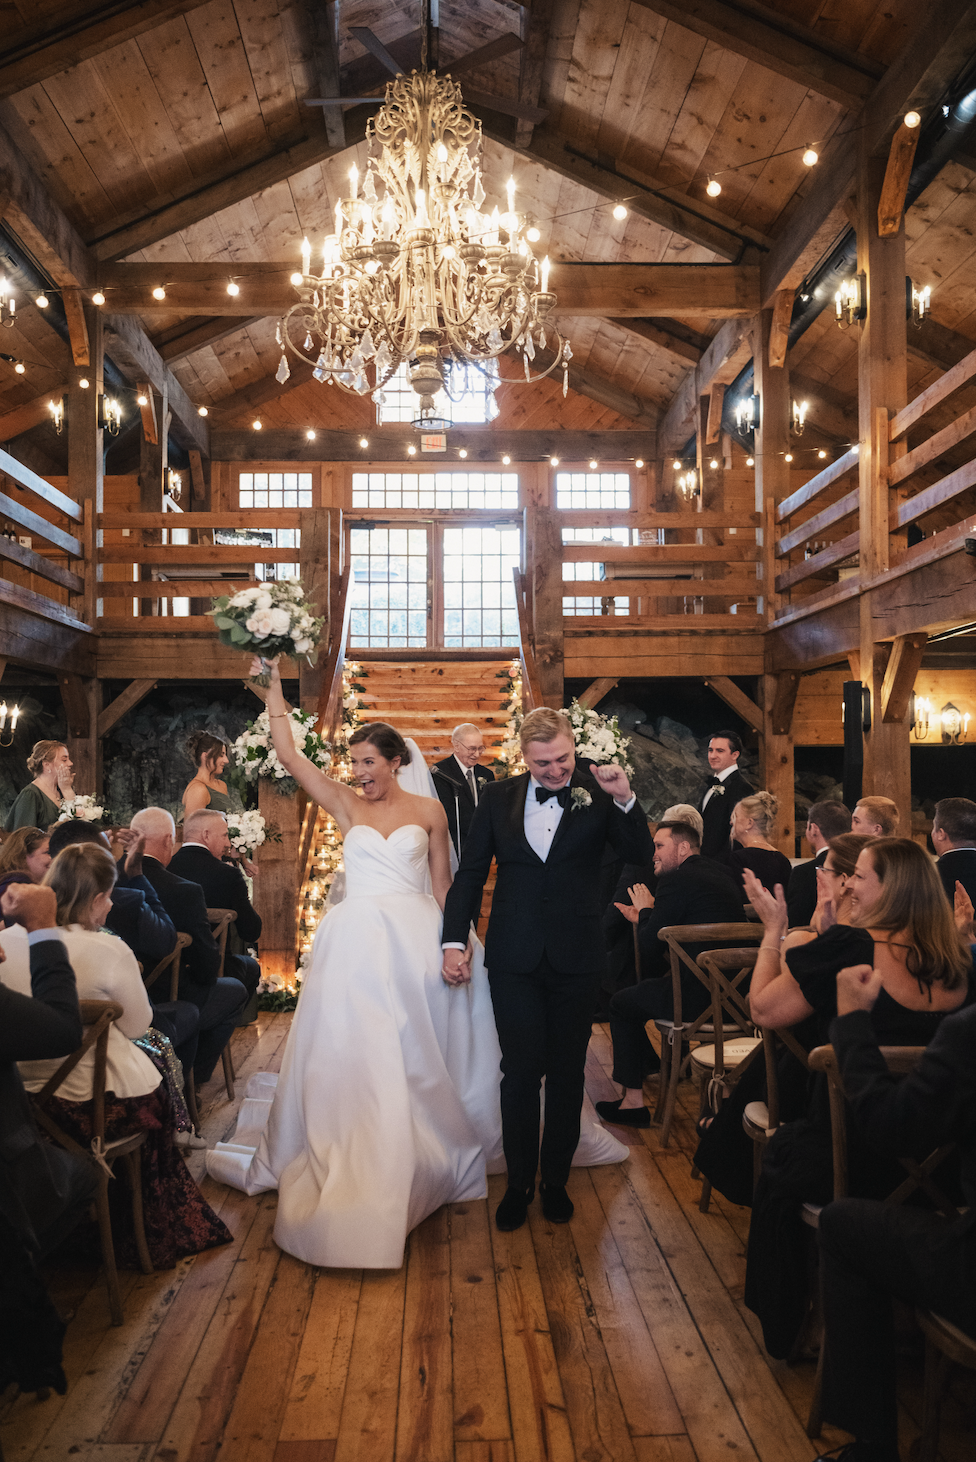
x: 174, y: 133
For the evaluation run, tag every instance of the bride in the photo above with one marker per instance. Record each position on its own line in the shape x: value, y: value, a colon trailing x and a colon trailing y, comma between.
x: 387, y: 1103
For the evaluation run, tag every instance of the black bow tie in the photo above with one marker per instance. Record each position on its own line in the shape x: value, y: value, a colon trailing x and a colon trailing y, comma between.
x: 561, y: 794
x: 715, y: 781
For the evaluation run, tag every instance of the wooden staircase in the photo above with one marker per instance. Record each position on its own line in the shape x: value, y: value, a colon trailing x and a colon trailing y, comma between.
x: 426, y: 699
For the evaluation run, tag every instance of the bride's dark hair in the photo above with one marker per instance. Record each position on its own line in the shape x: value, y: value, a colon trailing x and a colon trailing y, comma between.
x: 387, y: 740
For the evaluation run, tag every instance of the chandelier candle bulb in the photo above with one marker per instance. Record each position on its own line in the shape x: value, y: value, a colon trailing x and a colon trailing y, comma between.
x: 306, y: 256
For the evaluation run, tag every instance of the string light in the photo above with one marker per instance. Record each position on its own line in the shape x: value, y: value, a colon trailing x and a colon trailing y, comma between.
x: 257, y: 424
x: 620, y: 212
x: 750, y: 461
x: 810, y: 158
x: 411, y: 451
x: 98, y: 298
x: 912, y: 120
x: 639, y: 463
x: 822, y: 454
x: 142, y: 400
x: 364, y: 442
x: 553, y: 461
x: 713, y: 463
x: 159, y: 293
x: 310, y: 435
x: 463, y: 452
x: 233, y: 287
x: 202, y: 411
x: 506, y: 460
x: 594, y: 464
x: 84, y: 383
x: 19, y: 367
x: 42, y: 301
x: 789, y: 457
x: 713, y: 187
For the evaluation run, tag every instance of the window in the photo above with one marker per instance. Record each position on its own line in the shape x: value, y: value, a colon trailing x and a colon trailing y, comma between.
x: 389, y: 587
x: 479, y: 592
x: 592, y: 490
x: 624, y: 537
x: 472, y: 388
x: 578, y: 605
x: 275, y: 490
x: 435, y: 490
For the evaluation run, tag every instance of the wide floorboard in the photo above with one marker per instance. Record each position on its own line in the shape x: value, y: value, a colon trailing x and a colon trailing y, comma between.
x: 621, y: 1337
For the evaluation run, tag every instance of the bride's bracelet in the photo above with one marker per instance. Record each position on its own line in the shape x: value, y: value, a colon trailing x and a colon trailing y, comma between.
x: 278, y: 715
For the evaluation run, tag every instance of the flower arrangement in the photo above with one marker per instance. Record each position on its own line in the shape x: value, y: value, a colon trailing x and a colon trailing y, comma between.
x: 508, y: 758
x: 271, y: 619
x: 255, y: 754
x: 248, y: 830
x: 86, y: 809
x: 598, y: 738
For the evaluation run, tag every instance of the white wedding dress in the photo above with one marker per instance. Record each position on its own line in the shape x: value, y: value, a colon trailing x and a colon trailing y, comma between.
x: 387, y: 1103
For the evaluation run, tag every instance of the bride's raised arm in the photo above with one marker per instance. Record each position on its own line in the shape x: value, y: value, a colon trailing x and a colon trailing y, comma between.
x: 333, y: 797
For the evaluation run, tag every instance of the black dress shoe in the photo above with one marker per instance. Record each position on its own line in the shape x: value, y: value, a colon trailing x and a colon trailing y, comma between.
x: 623, y: 1116
x: 510, y: 1213
x: 557, y: 1205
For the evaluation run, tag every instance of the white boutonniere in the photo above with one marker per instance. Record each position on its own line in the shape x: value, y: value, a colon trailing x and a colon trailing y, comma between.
x: 579, y: 797
x: 719, y: 790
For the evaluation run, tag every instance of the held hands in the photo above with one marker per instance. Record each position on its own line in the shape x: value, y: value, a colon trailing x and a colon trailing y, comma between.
x: 456, y: 968
x: 858, y: 987
x: 613, y: 780
x: 771, y: 910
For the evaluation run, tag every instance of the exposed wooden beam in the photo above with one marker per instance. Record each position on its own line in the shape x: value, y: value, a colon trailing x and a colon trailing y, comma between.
x: 74, y: 697
x: 188, y: 336
x: 123, y: 703
x: 830, y: 411
x: 389, y: 444
x: 149, y: 428
x: 31, y: 414
x: 742, y: 704
x: 198, y: 481
x: 32, y: 214
x: 716, y: 400
x: 779, y: 330
x: 891, y: 204
x: 664, y: 339
x: 784, y: 701
x: 33, y: 53
x: 537, y: 25
x: 77, y: 327
x: 322, y: 24
x: 135, y: 355
x: 778, y: 43
x: 730, y: 350
x: 899, y: 679
x: 594, y: 693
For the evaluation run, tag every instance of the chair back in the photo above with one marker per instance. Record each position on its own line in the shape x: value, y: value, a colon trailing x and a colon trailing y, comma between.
x: 679, y: 936
x: 727, y: 972
x: 220, y: 922
x: 97, y: 1017
x: 772, y: 1039
x: 169, y: 962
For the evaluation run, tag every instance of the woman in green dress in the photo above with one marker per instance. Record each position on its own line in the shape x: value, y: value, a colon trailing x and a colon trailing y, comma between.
x: 39, y: 804
x: 209, y: 756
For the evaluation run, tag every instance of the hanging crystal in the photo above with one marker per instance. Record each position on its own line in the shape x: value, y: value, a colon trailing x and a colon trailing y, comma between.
x: 284, y: 370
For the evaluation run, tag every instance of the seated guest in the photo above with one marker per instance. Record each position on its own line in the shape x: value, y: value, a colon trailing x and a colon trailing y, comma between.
x: 44, y: 1190
x: 205, y: 842
x: 206, y: 790
x: 873, y: 1252
x: 690, y: 890
x: 753, y: 819
x: 825, y: 820
x: 39, y: 804
x: 219, y: 999
x: 618, y: 930
x: 954, y: 840
x: 24, y: 857
x: 177, y: 1219
x: 901, y: 925
x: 875, y: 817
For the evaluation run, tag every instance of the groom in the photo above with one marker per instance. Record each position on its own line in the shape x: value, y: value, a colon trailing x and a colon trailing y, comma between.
x: 547, y: 830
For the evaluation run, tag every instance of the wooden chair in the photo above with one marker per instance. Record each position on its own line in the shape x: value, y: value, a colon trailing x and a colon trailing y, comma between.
x: 720, y: 1066
x: 761, y: 1119
x: 945, y: 1345
x: 171, y: 962
x: 97, y: 1017
x: 220, y: 922
x: 677, y: 1030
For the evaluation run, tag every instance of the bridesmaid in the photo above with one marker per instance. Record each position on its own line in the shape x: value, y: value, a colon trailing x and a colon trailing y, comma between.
x: 209, y: 756
x: 39, y: 804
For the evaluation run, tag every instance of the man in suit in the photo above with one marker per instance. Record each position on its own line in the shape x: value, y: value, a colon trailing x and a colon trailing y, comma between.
x: 690, y: 890
x: 620, y: 969
x: 199, y: 860
x: 220, y: 999
x: 546, y: 829
x: 954, y: 840
x: 870, y: 1251
x: 460, y: 781
x: 825, y: 820
x: 876, y: 817
x: 725, y: 787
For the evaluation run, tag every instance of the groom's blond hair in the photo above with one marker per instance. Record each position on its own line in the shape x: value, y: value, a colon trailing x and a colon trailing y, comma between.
x: 544, y: 724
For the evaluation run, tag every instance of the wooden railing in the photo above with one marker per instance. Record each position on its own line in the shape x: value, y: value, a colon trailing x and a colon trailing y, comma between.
x: 67, y: 561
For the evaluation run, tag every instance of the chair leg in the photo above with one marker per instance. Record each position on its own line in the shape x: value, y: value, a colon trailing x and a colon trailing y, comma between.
x: 815, y: 1418
x: 134, y: 1164
x: 935, y: 1369
x: 228, y: 1066
x: 671, y: 1101
x: 663, y: 1081
x: 706, y: 1196
x: 108, y: 1252
x: 190, y: 1097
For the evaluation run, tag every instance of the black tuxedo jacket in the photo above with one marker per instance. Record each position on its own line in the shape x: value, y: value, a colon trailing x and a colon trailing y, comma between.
x: 717, y: 816
x: 801, y: 893
x: 187, y: 907
x: 549, y: 908
x: 455, y: 794
x: 959, y: 864
x: 698, y: 891
x: 223, y: 887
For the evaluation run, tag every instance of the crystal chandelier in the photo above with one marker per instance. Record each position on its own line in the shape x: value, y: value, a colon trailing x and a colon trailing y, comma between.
x: 416, y: 271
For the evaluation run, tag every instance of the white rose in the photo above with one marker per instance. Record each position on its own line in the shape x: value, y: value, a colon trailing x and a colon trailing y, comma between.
x: 280, y: 620
x: 261, y: 624
x: 262, y: 599
x: 302, y: 646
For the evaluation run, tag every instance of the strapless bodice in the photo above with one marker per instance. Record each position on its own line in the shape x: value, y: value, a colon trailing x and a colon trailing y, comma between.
x: 377, y: 865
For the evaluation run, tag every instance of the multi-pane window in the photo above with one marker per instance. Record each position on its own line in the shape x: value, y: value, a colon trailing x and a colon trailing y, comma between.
x: 473, y: 389
x: 388, y: 587
x: 275, y: 490
x: 592, y: 490
x: 581, y: 573
x: 435, y: 490
x: 479, y: 591
x: 579, y: 605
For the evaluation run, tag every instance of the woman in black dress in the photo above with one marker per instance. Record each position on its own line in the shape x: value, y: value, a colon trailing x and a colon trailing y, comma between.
x: 753, y: 819
x: 903, y: 927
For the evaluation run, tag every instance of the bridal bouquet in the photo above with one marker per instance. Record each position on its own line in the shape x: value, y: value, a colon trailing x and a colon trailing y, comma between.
x: 86, y: 809
x: 271, y: 619
x: 248, y: 830
x: 598, y: 738
x: 254, y: 752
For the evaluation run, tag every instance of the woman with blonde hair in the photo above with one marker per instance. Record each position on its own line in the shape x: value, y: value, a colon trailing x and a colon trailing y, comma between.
x: 178, y: 1221
x: 752, y: 821
x: 39, y: 804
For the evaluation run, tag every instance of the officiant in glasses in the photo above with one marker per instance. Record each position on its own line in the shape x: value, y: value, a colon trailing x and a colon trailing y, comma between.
x: 460, y: 780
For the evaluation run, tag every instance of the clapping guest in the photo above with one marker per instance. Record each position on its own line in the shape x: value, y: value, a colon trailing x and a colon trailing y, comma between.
x: 177, y: 1219
x: 825, y: 820
x: 39, y: 804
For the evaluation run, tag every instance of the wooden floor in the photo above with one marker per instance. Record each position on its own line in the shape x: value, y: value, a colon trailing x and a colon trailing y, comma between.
x: 620, y: 1336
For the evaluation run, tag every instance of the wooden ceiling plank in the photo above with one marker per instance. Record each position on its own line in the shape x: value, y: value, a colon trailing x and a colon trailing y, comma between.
x: 266, y: 52
x: 781, y: 45
x: 90, y: 110
x: 532, y: 65
x: 178, y: 342
x: 173, y: 63
x: 700, y: 113
x: 145, y: 118
x: 596, y: 50
x: 32, y: 55
x: 217, y: 36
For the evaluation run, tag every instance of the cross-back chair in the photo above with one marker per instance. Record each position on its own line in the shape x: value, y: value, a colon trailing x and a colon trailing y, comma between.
x: 220, y: 922
x: 169, y: 962
x: 97, y: 1017
x: 760, y: 1119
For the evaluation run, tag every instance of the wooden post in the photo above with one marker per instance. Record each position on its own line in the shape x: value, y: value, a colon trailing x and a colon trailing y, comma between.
x: 86, y: 456
x: 275, y: 891
x: 547, y: 598
x: 82, y: 701
x: 316, y: 569
x: 776, y: 762
x: 882, y: 391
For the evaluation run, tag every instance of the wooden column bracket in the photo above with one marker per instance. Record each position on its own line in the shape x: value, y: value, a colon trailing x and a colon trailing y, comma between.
x: 116, y: 709
x: 784, y: 701
x: 737, y: 699
x: 779, y: 330
x: 74, y: 697
x: 716, y: 403
x: 77, y: 327
x: 149, y: 428
x: 854, y: 661
x: 899, y: 678
x: 595, y: 692
x: 891, y: 204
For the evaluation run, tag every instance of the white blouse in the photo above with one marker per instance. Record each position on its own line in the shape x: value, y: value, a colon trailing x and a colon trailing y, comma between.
x: 105, y: 969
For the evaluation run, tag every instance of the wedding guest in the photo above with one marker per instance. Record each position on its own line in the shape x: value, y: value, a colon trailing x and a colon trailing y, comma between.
x: 752, y: 820
x: 725, y: 787
x: 206, y: 790
x: 205, y: 843
x: 620, y: 970
x: 825, y: 820
x: 24, y: 856
x: 220, y: 999
x: 875, y: 817
x: 39, y: 804
x: 460, y: 781
x: 177, y: 1219
x: 954, y: 840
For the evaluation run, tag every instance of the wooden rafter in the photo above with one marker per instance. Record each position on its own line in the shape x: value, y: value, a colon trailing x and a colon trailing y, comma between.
x: 742, y: 704
x: 533, y: 60
x: 149, y: 428
x: 77, y: 708
x: 663, y: 338
x: 123, y: 703
x: 784, y: 701
x: 77, y: 327
x: 179, y: 341
x: 716, y: 401
x: 723, y: 360
x: 594, y: 693
x: 899, y: 679
x: 322, y: 23
x: 31, y: 414
x: 779, y: 330
x: 891, y: 204
x: 482, y: 444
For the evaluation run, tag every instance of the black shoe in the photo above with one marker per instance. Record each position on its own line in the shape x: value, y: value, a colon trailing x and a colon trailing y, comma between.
x: 557, y: 1205
x: 510, y: 1213
x: 623, y: 1116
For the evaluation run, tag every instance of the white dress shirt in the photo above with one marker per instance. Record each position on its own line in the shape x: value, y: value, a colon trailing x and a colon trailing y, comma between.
x: 723, y: 776
x: 467, y: 772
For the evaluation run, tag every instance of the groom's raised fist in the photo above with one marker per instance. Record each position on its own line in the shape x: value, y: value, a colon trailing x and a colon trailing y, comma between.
x: 612, y: 779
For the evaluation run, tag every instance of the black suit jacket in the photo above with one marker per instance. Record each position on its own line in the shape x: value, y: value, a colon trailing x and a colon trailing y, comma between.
x: 140, y: 920
x: 550, y: 908
x: 223, y: 887
x: 455, y: 794
x: 958, y: 865
x: 801, y: 894
x: 187, y: 907
x: 698, y: 891
x: 717, y: 816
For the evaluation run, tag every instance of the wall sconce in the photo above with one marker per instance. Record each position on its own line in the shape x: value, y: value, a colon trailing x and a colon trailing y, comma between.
x: 110, y: 415
x: 174, y: 484
x: 921, y: 712
x: 56, y: 409
x: 8, y: 303
x: 747, y: 414
x: 953, y: 728
x: 850, y: 301
x: 800, y: 409
x: 688, y: 484
x: 14, y: 716
x: 918, y: 301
